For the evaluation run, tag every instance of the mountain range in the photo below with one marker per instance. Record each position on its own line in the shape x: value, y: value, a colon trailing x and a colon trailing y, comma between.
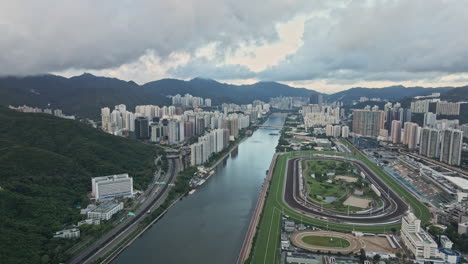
x: 84, y: 95
x: 391, y: 93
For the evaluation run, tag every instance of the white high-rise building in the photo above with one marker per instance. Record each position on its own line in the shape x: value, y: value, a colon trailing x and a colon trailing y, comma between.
x: 105, y: 118
x: 112, y: 186
x: 429, y: 119
x: 418, y: 241
x: 336, y: 131
x: 329, y: 130
x: 411, y: 135
x: 447, y: 108
x: 396, y: 132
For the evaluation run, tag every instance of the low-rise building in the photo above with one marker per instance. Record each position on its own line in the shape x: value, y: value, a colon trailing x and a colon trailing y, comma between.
x: 323, y: 142
x: 445, y: 242
x: 68, y: 233
x: 89, y: 221
x: 289, y: 226
x: 463, y: 228
x: 105, y: 211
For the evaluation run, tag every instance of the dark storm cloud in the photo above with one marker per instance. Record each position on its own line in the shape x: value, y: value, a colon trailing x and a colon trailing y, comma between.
x: 52, y: 35
x: 202, y: 67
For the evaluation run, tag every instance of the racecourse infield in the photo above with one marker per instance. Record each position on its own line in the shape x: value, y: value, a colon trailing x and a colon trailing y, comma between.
x: 269, y: 229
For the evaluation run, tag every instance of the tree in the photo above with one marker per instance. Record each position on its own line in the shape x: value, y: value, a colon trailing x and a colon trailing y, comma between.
x: 362, y: 255
x: 376, y: 258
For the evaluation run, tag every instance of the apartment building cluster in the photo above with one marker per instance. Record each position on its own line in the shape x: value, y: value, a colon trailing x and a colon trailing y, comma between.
x: 320, y: 115
x: 435, y: 105
x: 174, y: 125
x: 337, y: 131
x: 445, y: 145
x: 368, y: 122
x: 190, y: 101
x: 220, y: 131
x: 438, y: 139
x: 29, y: 109
x: 365, y: 99
x: 286, y: 103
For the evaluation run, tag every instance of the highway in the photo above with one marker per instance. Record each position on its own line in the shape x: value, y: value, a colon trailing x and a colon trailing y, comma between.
x: 151, y: 199
x: 395, y: 206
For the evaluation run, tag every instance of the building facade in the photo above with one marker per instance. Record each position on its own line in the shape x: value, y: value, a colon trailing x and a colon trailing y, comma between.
x: 112, y: 186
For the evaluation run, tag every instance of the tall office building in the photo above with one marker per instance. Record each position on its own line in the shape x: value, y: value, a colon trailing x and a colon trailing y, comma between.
x: 329, y: 130
x: 336, y: 131
x: 429, y: 119
x: 405, y: 115
x: 464, y: 128
x: 429, y: 143
x: 368, y: 123
x: 396, y: 132
x: 112, y: 186
x: 142, y: 127
x: 411, y: 135
x: 451, y: 146
x: 105, y: 119
x: 157, y: 133
x: 199, y: 125
x: 188, y: 129
x: 316, y: 99
x: 345, y: 131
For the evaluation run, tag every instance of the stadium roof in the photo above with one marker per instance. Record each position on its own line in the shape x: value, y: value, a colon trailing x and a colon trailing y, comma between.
x: 459, y: 182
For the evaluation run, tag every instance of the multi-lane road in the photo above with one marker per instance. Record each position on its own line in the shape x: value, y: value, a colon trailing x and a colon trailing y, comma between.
x: 150, y: 200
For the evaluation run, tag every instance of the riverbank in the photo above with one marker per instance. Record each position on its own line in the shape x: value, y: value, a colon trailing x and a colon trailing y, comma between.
x: 237, y: 142
x: 110, y: 256
x: 257, y: 215
x: 200, y: 218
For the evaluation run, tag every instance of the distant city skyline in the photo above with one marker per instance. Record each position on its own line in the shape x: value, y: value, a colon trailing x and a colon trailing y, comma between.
x: 327, y: 46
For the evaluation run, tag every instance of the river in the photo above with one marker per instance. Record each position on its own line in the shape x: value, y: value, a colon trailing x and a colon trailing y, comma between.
x: 209, y: 226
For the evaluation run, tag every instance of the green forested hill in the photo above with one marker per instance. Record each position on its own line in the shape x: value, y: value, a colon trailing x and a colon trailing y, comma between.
x: 46, y: 164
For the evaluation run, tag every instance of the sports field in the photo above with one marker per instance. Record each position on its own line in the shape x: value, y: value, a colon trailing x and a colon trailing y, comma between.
x: 322, y: 241
x: 268, y: 235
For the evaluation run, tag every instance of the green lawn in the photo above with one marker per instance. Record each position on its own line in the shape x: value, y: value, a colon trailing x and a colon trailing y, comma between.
x: 268, y: 234
x: 320, y: 188
x: 322, y: 241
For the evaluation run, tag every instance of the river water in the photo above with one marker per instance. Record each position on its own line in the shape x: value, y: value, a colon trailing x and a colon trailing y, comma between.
x: 209, y: 226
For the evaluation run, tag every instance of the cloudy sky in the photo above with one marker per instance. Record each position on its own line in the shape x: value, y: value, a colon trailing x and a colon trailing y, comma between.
x: 322, y: 45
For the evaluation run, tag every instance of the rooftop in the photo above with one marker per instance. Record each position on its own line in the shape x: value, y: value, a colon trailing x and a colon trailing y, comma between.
x: 105, y: 207
x: 111, y: 177
x: 459, y: 182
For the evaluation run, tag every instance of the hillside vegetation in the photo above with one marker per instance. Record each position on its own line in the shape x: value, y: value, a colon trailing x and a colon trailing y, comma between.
x: 84, y: 95
x: 46, y: 165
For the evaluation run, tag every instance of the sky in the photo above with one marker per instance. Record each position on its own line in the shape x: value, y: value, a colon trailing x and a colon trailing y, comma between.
x: 327, y: 46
